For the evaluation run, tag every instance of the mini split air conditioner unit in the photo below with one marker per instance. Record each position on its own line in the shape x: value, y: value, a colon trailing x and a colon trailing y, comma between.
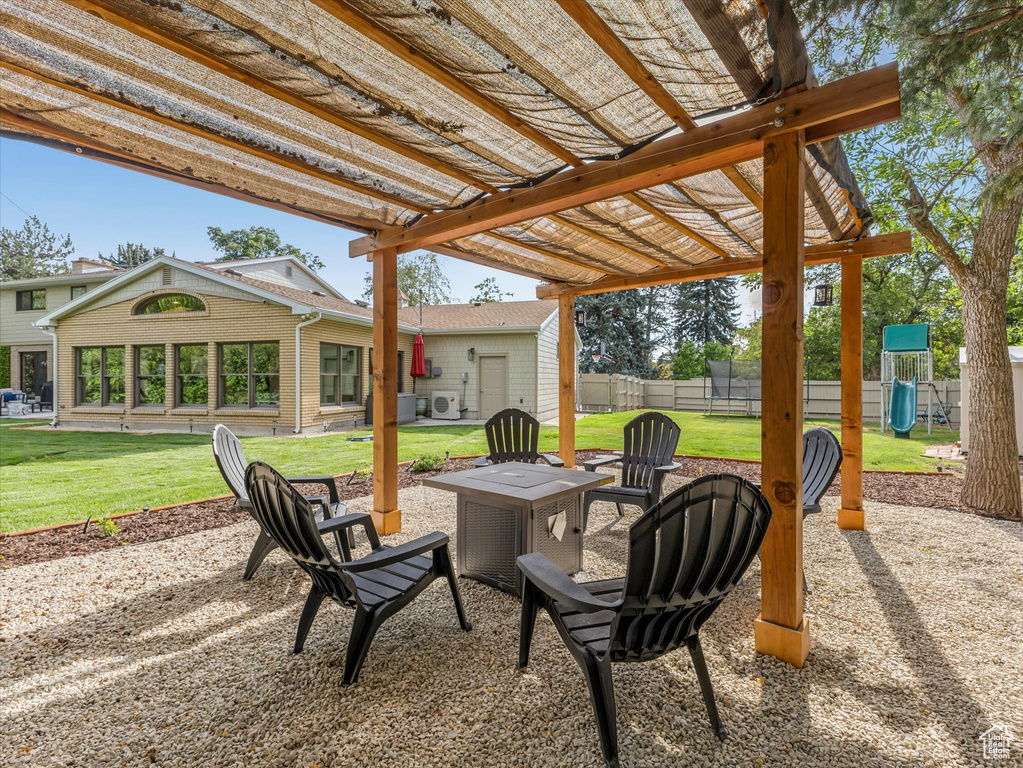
x: 446, y: 405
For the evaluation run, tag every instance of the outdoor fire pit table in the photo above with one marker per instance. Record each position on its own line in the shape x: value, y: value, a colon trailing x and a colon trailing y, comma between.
x: 507, y: 510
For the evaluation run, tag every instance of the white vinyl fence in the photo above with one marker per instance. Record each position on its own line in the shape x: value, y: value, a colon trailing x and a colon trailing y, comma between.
x: 600, y: 393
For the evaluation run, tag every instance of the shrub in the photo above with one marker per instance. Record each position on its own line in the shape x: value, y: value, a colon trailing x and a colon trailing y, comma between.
x: 5, y: 366
x: 107, y: 527
x: 426, y: 463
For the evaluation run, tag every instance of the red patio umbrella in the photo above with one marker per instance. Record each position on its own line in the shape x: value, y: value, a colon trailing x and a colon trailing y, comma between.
x: 418, y: 360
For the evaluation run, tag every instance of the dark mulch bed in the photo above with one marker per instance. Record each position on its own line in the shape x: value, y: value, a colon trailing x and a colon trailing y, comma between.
x: 911, y: 490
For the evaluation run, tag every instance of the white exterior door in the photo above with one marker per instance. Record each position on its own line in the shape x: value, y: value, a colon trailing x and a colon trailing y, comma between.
x: 493, y: 394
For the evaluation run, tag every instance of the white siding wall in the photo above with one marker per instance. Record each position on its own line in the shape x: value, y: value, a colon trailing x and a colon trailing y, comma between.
x: 547, y: 378
x: 276, y: 272
x: 451, y: 354
x: 179, y: 281
x: 16, y: 327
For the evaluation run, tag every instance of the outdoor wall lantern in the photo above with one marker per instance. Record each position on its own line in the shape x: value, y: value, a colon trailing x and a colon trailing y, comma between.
x: 472, y: 354
x: 580, y: 318
x: 823, y: 295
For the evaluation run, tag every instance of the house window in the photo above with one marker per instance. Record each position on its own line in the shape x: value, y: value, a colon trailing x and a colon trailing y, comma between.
x: 150, y: 375
x: 78, y: 290
x: 250, y: 374
x: 100, y: 376
x: 192, y: 385
x: 29, y: 300
x: 340, y: 374
x: 401, y: 369
x: 170, y: 302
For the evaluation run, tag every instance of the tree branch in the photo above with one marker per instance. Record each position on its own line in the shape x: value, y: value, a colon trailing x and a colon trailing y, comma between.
x: 918, y: 211
x: 968, y: 33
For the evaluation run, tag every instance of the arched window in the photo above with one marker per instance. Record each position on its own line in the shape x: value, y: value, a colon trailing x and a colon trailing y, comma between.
x: 170, y: 302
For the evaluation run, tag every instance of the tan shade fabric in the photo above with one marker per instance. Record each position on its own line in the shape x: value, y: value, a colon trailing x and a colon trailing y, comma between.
x: 373, y: 113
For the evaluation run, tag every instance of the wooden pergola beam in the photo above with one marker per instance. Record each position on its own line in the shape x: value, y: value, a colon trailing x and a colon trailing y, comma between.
x: 188, y: 50
x: 829, y: 253
x: 607, y: 240
x: 608, y: 41
x: 276, y: 158
x: 664, y: 218
x: 370, y: 29
x: 855, y: 102
x: 26, y: 129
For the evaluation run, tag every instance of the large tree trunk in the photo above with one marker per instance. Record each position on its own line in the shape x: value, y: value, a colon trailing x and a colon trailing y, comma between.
x: 992, y: 466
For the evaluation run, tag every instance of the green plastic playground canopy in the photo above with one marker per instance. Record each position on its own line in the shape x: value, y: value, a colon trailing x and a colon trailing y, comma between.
x: 907, y: 338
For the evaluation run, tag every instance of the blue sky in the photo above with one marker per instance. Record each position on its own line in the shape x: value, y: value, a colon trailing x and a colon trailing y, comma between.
x: 101, y: 205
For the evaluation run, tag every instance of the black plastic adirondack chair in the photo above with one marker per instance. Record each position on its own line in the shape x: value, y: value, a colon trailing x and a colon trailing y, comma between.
x: 650, y: 443
x: 822, y: 457
x: 227, y: 450
x: 377, y: 586
x: 686, y: 554
x: 513, y: 435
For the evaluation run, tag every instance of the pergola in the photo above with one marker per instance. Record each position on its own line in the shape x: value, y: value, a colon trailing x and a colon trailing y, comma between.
x: 596, y: 145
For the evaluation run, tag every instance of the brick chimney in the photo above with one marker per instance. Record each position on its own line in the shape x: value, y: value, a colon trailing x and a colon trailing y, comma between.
x: 82, y: 265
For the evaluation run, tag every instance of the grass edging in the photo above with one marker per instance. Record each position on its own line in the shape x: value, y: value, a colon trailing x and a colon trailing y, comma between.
x: 118, y: 515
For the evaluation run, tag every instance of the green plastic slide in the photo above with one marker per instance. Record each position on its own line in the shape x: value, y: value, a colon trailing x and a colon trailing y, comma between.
x: 902, y: 410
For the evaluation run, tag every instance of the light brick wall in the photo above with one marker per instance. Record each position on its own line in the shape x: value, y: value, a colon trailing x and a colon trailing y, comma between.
x: 451, y: 353
x: 334, y: 332
x: 225, y: 320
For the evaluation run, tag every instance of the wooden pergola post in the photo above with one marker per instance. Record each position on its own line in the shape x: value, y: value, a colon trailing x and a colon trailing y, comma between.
x: 850, y: 513
x: 566, y: 378
x: 386, y: 515
x: 781, y: 630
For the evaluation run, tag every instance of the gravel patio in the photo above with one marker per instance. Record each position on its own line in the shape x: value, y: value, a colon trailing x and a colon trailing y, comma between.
x: 159, y: 654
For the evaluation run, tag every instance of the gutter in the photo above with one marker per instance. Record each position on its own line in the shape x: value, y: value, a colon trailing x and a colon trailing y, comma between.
x: 306, y: 320
x: 53, y: 374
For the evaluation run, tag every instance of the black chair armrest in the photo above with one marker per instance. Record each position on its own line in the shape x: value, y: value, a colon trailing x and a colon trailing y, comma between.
x: 321, y: 501
x: 480, y: 461
x: 343, y: 522
x: 554, y: 583
x: 401, y: 553
x: 600, y: 461
x: 554, y: 461
x: 325, y: 480
x: 668, y: 467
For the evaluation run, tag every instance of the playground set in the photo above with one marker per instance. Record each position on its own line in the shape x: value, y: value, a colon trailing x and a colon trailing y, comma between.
x: 907, y: 364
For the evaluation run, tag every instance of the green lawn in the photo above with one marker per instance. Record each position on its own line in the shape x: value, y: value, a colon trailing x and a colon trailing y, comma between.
x: 49, y: 477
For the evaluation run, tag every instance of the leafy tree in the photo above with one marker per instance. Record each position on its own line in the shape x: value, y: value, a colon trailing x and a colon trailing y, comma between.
x: 1014, y: 313
x: 131, y: 255
x: 488, y: 291
x: 952, y: 168
x: 619, y: 321
x: 420, y: 278
x: 33, y: 251
x: 257, y: 243
x: 689, y: 361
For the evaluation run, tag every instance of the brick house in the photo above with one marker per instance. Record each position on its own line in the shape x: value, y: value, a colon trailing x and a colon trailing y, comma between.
x: 266, y: 345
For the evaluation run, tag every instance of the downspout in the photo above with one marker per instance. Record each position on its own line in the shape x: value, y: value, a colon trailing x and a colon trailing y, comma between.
x: 53, y: 374
x: 306, y: 320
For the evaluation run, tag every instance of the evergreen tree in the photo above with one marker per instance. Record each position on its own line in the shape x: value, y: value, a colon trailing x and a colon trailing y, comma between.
x: 131, y: 255
x: 619, y: 320
x: 703, y: 312
x: 33, y: 251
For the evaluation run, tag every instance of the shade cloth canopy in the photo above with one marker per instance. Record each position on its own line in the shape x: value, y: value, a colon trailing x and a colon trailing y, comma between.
x: 374, y: 113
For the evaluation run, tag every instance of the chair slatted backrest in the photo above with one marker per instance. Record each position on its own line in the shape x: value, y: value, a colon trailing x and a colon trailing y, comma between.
x: 650, y: 442
x: 513, y: 435
x: 46, y: 393
x: 287, y: 517
x: 822, y: 456
x: 686, y: 553
x: 231, y: 460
